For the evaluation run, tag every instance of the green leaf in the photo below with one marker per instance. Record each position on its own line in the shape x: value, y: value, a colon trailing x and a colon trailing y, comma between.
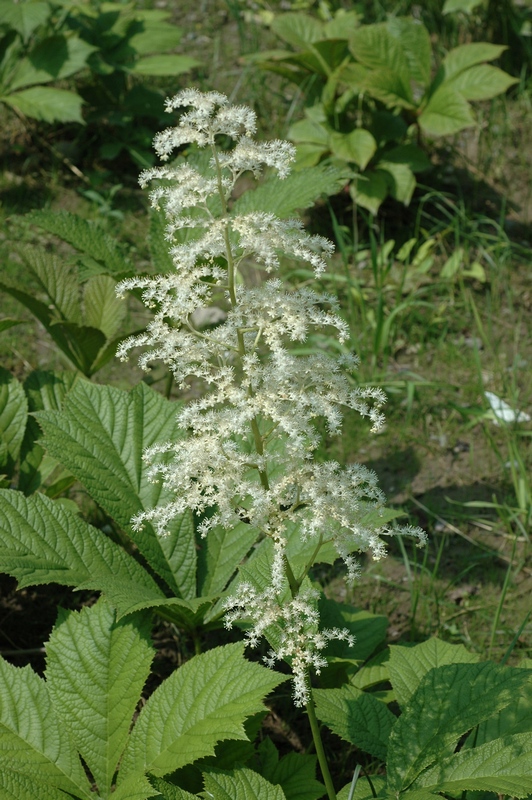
x: 481, y: 82
x: 157, y: 37
x: 310, y: 130
x: 298, y: 30
x: 54, y: 58
x: 298, y: 191
x: 368, y: 629
x: 414, y: 40
x: 21, y: 787
x: 13, y: 416
x: 203, y: 702
x: 401, y: 180
x: 41, y: 541
x: 357, y: 717
x: 294, y: 773
x: 449, y: 701
x: 56, y: 280
x: 24, y: 17
x: 100, y: 436
x: 466, y: 6
x: 164, y: 65
x: 342, y: 24
x: 408, y: 665
x: 161, y: 259
x: 169, y: 791
x: 376, y: 47
x: 47, y: 104
x: 96, y: 668
x: 503, y: 766
x: 410, y: 154
x: 36, y: 747
x: 467, y: 55
x: 86, y: 236
x: 358, y: 146
x: 369, y: 190
x: 447, y: 112
x: 375, y: 671
x: 7, y: 323
x: 136, y: 787
x: 390, y: 87
x: 220, y: 554
x: 103, y: 309
x: 43, y: 390
x: 240, y: 784
x: 515, y: 718
x: 364, y: 790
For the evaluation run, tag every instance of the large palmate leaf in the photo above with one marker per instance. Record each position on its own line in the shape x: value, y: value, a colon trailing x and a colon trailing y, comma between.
x: 408, y: 665
x: 204, y: 702
x: 295, y: 773
x: 41, y: 541
x: 13, y: 416
x: 240, y: 784
x: 37, y: 752
x: 449, y: 702
x: 358, y: 717
x: 24, y: 17
x: 96, y: 669
x: 100, y: 436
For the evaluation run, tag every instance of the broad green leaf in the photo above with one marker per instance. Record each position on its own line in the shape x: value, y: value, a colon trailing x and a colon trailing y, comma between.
x: 298, y: 191
x: 449, y: 701
x: 43, y: 390
x: 410, y: 154
x: 309, y: 130
x: 358, y: 146
x: 16, y: 786
x: 294, y: 773
x: 86, y: 236
x: 13, y: 416
x: 56, y: 280
x: 388, y: 127
x: 481, y: 82
x: 96, y: 668
x: 82, y: 344
x: 298, y: 30
x: 390, y: 87
x: 363, y: 789
x: 103, y: 309
x: 240, y: 784
x: 376, y: 47
x: 466, y: 6
x: 35, y: 745
x: 41, y: 541
x: 503, y: 766
x: 342, y: 24
x: 357, y: 717
x: 203, y: 702
x: 308, y: 155
x: 467, y: 55
x: 414, y: 40
x: 47, y: 104
x: 408, y: 665
x: 453, y: 264
x: 136, y: 787
x: 164, y: 65
x: 54, y: 58
x: 24, y: 17
x: 447, y: 112
x: 100, y: 436
x: 515, y: 718
x: 375, y: 671
x: 368, y: 629
x: 169, y: 791
x: 220, y: 554
x: 157, y: 37
x: 369, y: 190
x: 401, y: 181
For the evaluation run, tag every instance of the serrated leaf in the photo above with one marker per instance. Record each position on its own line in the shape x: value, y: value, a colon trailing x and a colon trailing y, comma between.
x: 200, y: 704
x: 169, y: 791
x: 408, y: 665
x: 13, y: 416
x: 447, y: 112
x: 240, y: 784
x: 35, y: 746
x: 449, y: 701
x: 41, y: 541
x: 467, y: 55
x: 56, y: 280
x: 96, y: 668
x: 220, y: 554
x: 103, y: 309
x: 503, y: 766
x: 515, y: 718
x: 295, y: 773
x: 357, y: 717
x: 136, y: 787
x: 24, y: 17
x: 164, y: 65
x: 100, y: 436
x: 368, y: 629
x: 86, y: 236
x: 52, y: 59
x: 364, y: 790
x: 298, y: 30
x: 43, y: 390
x: 298, y: 191
x: 358, y: 146
x: 481, y: 82
x: 47, y: 104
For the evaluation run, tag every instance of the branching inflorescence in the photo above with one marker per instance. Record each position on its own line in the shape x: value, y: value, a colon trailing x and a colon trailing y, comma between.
x: 251, y: 437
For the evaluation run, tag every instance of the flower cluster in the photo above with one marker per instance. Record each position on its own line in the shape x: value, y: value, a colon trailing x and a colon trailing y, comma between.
x: 251, y: 437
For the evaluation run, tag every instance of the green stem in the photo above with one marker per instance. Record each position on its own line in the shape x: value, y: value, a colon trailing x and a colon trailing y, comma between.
x: 320, y: 752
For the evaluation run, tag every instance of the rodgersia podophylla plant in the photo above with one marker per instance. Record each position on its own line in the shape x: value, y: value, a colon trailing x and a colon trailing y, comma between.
x: 248, y: 455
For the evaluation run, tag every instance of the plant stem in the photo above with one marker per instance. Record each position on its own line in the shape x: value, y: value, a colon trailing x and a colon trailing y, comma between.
x: 320, y: 752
